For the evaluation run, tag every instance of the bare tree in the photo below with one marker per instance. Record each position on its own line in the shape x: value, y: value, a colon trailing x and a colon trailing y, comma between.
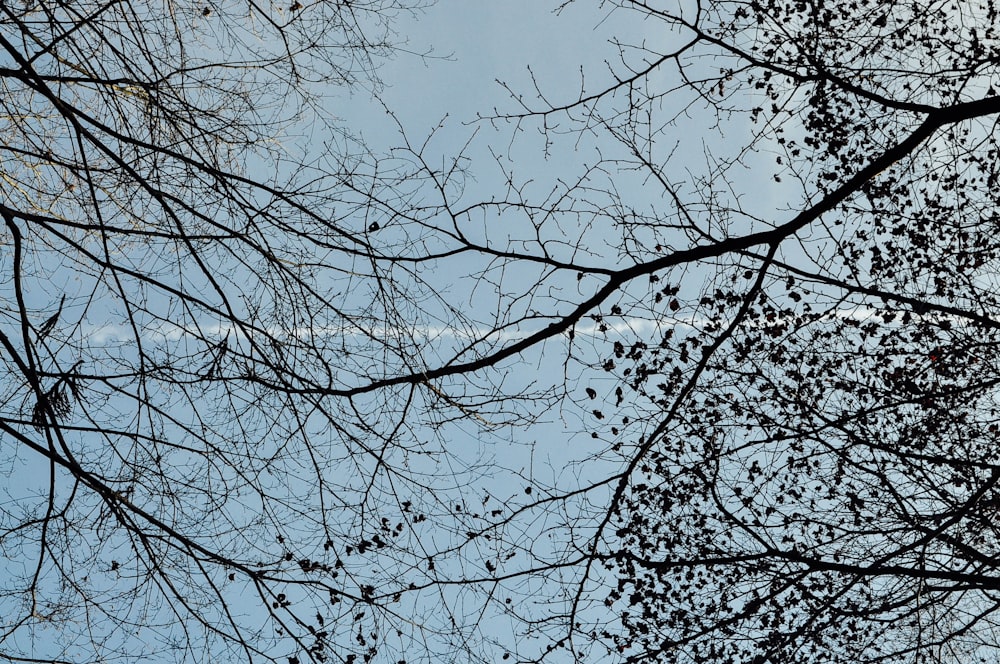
x: 235, y: 407
x: 177, y: 283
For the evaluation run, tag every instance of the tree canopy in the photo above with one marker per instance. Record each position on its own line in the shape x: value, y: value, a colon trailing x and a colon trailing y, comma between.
x: 714, y: 384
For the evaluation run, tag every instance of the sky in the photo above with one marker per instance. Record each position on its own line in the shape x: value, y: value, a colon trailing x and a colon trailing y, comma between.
x: 464, y: 65
x: 471, y: 49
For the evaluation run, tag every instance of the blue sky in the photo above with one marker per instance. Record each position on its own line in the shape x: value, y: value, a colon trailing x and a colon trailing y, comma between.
x: 469, y: 46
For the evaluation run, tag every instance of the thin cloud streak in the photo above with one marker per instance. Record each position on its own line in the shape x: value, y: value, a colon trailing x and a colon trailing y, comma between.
x: 111, y: 334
